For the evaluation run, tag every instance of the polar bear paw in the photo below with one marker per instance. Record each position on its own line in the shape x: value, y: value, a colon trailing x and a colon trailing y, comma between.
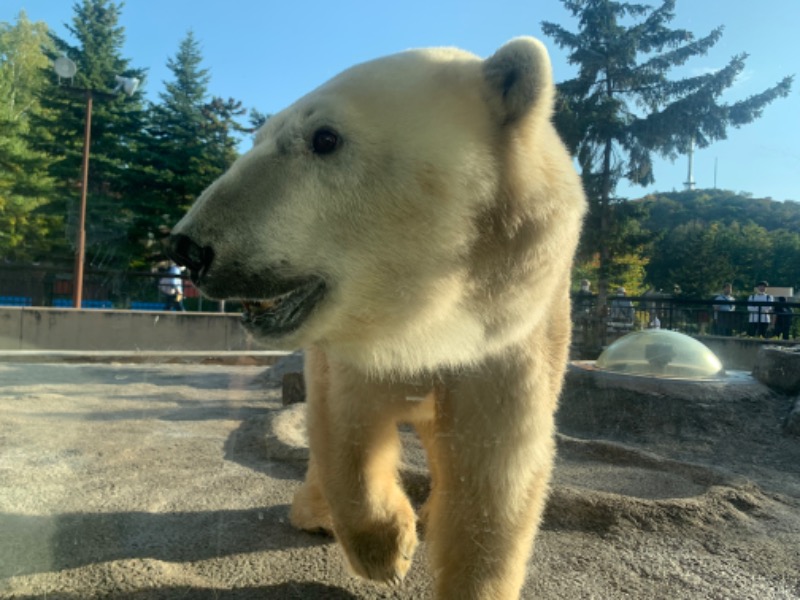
x: 383, y: 550
x: 310, y: 511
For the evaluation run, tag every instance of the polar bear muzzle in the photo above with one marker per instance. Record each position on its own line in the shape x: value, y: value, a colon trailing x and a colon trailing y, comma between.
x: 185, y: 252
x: 284, y: 313
x: 284, y: 303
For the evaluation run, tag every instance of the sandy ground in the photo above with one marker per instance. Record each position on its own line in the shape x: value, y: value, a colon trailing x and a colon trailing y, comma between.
x: 148, y: 481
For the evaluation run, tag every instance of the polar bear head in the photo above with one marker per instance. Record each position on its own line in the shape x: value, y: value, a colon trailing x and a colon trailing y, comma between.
x: 413, y: 212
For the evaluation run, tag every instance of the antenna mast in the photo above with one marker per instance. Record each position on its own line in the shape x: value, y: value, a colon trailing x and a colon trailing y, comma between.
x: 689, y: 183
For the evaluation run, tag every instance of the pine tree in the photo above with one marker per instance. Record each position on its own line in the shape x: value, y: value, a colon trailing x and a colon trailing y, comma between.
x: 170, y: 160
x: 190, y: 143
x: 221, y: 127
x: 622, y: 107
x: 115, y: 135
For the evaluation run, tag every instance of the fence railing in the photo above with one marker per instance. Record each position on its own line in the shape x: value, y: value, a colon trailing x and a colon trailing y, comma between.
x: 33, y: 285
x: 26, y: 285
x: 692, y: 316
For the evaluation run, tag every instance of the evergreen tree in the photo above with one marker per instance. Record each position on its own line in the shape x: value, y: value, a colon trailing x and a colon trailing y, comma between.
x: 221, y: 129
x: 170, y: 170
x: 622, y: 107
x: 190, y: 143
x: 24, y: 183
x: 115, y: 134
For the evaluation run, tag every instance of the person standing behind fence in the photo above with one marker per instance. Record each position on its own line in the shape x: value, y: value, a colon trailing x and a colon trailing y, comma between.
x: 783, y: 318
x: 621, y: 308
x: 759, y: 315
x: 584, y: 299
x: 723, y: 313
x: 171, y: 288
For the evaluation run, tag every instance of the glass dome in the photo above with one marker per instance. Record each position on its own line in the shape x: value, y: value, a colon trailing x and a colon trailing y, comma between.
x: 660, y: 353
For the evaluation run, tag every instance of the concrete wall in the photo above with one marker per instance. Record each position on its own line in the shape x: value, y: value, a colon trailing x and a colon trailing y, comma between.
x: 35, y: 328
x: 68, y: 329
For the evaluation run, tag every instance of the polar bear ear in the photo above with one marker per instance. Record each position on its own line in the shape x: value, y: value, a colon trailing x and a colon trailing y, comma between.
x: 519, y: 79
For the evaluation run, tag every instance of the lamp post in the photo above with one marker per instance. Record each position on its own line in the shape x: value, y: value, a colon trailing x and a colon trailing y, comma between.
x: 80, y: 252
x: 66, y: 68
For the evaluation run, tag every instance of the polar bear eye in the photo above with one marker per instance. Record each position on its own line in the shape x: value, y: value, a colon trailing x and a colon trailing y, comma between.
x: 325, y: 141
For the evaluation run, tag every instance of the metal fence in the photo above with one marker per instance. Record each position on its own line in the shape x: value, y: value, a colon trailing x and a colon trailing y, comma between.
x: 26, y: 285
x: 622, y: 314
x: 33, y: 285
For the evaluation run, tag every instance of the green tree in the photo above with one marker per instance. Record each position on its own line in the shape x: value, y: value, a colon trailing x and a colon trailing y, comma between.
x: 621, y: 108
x: 785, y: 257
x: 24, y: 183
x: 703, y: 238
x: 748, y: 248
x: 172, y: 159
x: 190, y: 142
x: 115, y: 135
x: 692, y: 256
x: 223, y: 129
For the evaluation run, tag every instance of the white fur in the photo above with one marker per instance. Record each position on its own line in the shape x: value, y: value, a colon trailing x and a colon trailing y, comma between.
x: 444, y: 224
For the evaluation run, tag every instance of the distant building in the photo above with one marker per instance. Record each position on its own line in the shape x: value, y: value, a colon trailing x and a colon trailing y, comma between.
x: 776, y: 290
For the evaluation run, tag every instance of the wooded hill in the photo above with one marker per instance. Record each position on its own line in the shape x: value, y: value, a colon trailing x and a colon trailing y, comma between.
x: 669, y: 210
x: 700, y: 239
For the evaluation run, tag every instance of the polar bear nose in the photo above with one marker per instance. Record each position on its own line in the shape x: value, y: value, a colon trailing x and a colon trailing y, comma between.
x: 184, y: 251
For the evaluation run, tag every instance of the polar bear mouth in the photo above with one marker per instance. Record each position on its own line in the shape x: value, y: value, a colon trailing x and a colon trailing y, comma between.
x: 285, y: 312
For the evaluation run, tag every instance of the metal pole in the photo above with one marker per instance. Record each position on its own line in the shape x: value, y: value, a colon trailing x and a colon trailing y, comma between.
x: 690, y: 176
x: 715, y: 173
x: 77, y: 287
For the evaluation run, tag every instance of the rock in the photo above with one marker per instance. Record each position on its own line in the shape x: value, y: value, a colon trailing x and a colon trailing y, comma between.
x: 286, y: 438
x: 779, y: 368
x: 293, y: 388
x: 291, y: 363
x: 792, y: 424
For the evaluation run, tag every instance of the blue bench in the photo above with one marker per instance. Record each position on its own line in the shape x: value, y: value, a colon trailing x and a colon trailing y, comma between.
x: 97, y: 304
x: 136, y: 305
x: 67, y: 303
x: 16, y: 301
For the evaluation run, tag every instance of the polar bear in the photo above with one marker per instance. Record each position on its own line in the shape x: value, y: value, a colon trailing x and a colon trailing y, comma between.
x: 411, y: 223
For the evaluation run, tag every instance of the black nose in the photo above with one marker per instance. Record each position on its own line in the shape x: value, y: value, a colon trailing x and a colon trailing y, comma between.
x: 184, y: 251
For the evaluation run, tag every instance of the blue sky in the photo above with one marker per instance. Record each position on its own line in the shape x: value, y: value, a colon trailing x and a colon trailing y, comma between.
x: 267, y: 54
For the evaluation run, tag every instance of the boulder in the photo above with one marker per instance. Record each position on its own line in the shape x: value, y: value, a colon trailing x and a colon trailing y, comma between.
x: 778, y: 367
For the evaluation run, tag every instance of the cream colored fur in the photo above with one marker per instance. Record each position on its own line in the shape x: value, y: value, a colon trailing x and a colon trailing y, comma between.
x: 445, y: 225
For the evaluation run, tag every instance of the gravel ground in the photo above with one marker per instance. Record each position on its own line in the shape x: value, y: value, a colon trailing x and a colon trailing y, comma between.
x: 174, y: 481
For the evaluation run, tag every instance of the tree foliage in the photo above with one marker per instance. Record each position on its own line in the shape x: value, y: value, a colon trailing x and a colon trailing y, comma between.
x: 115, y: 132
x: 622, y: 107
x: 701, y: 239
x: 189, y: 142
x: 24, y: 181
x: 148, y: 161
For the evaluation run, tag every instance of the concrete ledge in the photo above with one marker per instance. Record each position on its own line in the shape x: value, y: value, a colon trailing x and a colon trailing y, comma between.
x: 265, y: 358
x: 39, y: 328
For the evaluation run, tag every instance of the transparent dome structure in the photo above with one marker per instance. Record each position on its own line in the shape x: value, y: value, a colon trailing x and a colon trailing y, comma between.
x: 660, y: 353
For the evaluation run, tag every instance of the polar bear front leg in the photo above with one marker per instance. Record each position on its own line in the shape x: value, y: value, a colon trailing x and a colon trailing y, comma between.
x: 310, y: 511
x: 355, y: 450
x: 494, y: 450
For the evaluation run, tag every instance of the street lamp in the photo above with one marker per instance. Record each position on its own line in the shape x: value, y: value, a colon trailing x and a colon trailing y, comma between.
x: 66, y: 68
